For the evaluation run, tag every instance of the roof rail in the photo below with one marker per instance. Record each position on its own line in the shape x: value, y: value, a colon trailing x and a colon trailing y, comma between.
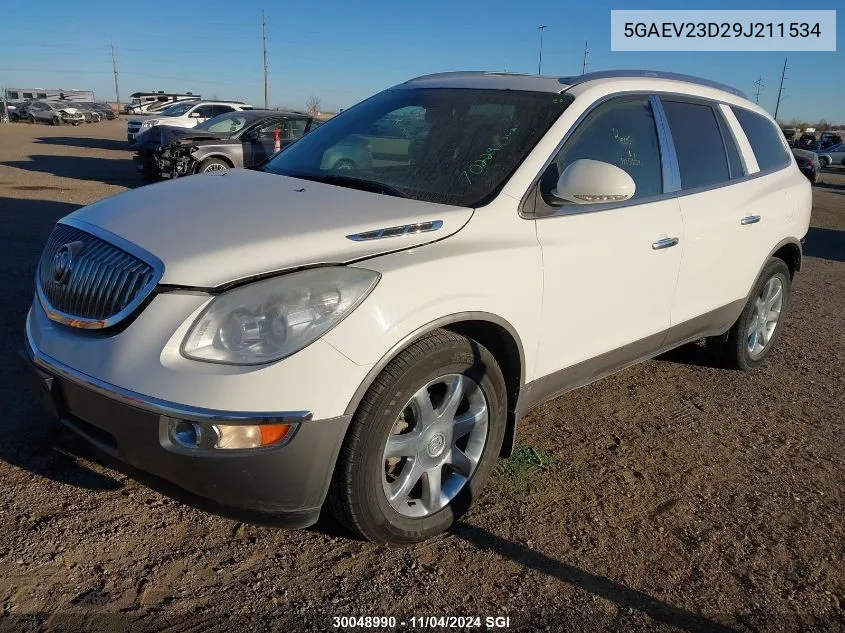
x: 655, y: 74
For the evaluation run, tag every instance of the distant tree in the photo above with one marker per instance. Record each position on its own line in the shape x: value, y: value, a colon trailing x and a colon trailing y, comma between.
x: 313, y: 104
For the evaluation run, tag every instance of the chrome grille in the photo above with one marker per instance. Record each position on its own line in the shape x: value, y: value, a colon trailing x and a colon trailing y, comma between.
x: 103, y: 284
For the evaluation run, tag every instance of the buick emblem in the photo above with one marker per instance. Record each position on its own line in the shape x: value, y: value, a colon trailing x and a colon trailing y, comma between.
x: 63, y: 261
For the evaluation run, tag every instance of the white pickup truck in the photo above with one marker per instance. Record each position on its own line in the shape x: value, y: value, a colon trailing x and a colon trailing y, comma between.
x: 182, y: 114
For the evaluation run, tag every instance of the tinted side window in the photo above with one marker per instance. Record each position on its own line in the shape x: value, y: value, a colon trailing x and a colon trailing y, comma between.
x: 764, y: 138
x: 221, y: 109
x: 698, y: 144
x: 620, y: 132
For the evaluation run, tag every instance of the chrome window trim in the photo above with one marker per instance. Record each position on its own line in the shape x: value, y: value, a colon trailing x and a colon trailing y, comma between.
x: 724, y: 125
x: 526, y: 199
x: 156, y: 405
x: 143, y: 294
x: 668, y: 157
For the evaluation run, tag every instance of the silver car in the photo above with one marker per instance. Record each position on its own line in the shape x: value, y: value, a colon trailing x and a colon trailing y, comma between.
x: 54, y: 112
x: 832, y: 155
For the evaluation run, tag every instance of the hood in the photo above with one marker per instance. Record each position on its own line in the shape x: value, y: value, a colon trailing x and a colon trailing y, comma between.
x: 219, y: 227
x: 71, y: 110
x: 162, y: 135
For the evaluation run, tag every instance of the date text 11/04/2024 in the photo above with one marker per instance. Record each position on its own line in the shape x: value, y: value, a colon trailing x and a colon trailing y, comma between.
x: 423, y: 622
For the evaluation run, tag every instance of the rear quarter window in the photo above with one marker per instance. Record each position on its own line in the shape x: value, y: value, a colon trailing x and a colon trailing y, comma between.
x: 765, y: 139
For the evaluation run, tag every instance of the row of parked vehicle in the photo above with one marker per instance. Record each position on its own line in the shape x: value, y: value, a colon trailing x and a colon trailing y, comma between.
x: 193, y: 135
x: 60, y: 111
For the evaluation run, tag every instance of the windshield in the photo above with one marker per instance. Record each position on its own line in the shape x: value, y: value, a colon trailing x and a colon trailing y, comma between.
x: 230, y: 122
x: 177, y: 109
x: 451, y: 146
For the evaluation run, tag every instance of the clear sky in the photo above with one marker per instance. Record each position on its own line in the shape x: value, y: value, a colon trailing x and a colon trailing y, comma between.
x: 343, y: 51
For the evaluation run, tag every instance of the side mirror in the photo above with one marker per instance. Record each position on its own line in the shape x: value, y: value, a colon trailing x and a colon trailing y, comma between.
x: 194, y: 115
x: 592, y: 182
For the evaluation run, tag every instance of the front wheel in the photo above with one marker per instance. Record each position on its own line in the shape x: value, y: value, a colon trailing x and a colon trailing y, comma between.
x: 423, y: 441
x: 212, y: 164
x: 752, y: 338
x: 824, y: 161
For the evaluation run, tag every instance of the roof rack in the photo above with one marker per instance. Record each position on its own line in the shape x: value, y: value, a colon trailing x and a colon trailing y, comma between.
x: 654, y: 74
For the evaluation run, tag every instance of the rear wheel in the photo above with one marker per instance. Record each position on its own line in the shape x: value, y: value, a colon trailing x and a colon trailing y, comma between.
x: 824, y: 161
x: 212, y: 164
x: 422, y: 443
x: 752, y: 338
x: 31, y: 119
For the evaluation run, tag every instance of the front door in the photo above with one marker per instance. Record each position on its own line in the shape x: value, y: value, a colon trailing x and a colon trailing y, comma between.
x: 609, y: 270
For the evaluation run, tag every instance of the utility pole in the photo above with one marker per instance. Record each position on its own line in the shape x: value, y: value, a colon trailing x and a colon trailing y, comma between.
x: 586, y: 52
x: 540, y: 63
x: 759, y: 84
x: 264, y: 41
x: 780, y: 90
x: 116, y: 85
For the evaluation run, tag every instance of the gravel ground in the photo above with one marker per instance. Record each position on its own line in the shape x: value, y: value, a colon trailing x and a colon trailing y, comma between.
x: 673, y: 496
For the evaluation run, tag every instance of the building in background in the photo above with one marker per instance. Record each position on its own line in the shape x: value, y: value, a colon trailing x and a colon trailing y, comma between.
x: 23, y: 94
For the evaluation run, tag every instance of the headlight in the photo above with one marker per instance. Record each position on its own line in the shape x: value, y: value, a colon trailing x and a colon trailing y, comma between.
x: 149, y: 123
x: 268, y: 320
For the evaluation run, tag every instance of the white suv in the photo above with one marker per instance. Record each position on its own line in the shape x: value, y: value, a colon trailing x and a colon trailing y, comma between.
x: 368, y: 337
x: 186, y: 114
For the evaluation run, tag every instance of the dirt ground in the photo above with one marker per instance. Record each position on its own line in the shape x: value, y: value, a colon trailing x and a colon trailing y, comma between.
x: 673, y: 496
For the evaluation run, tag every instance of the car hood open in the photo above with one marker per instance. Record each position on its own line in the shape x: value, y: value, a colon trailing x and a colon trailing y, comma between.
x: 216, y: 228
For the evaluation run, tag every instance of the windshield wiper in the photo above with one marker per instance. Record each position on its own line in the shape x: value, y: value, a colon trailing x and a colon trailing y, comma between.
x: 354, y: 183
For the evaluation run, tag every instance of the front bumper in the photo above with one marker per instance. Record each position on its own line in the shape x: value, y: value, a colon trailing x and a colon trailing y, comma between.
x: 289, y: 481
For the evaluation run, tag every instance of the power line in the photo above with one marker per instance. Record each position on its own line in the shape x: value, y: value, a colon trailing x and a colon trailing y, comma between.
x: 264, y: 42
x: 759, y: 84
x: 114, y: 68
x: 586, y: 52
x: 780, y: 90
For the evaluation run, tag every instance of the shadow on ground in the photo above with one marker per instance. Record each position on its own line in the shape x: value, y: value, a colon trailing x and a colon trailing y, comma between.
x: 825, y: 244
x: 85, y: 142
x: 622, y: 596
x: 110, y: 171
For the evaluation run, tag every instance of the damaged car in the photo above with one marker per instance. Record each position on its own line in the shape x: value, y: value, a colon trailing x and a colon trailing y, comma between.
x: 234, y: 139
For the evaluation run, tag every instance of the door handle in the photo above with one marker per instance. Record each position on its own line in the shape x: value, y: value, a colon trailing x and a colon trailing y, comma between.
x: 751, y: 219
x: 666, y: 242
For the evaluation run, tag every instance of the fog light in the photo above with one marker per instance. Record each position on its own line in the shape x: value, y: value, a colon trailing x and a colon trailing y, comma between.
x: 186, y: 434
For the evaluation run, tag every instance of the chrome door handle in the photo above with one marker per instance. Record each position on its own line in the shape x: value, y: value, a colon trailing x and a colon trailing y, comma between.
x: 666, y: 242
x: 751, y: 219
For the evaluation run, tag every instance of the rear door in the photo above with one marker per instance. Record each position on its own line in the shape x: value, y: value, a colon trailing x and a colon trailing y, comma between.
x: 723, y: 217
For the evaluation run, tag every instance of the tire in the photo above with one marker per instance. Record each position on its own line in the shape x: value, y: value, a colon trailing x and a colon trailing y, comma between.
x: 734, y: 350
x: 31, y: 119
x: 56, y: 121
x: 364, y: 473
x: 824, y: 161
x: 344, y: 164
x: 212, y: 164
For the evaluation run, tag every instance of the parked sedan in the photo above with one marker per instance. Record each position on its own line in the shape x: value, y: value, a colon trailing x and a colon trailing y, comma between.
x: 832, y: 155
x: 105, y: 109
x: 91, y: 114
x: 234, y: 139
x: 54, y: 112
x: 808, y: 163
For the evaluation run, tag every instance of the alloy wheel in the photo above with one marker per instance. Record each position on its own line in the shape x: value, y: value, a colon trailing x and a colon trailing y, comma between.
x: 435, y: 445
x: 765, y: 317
